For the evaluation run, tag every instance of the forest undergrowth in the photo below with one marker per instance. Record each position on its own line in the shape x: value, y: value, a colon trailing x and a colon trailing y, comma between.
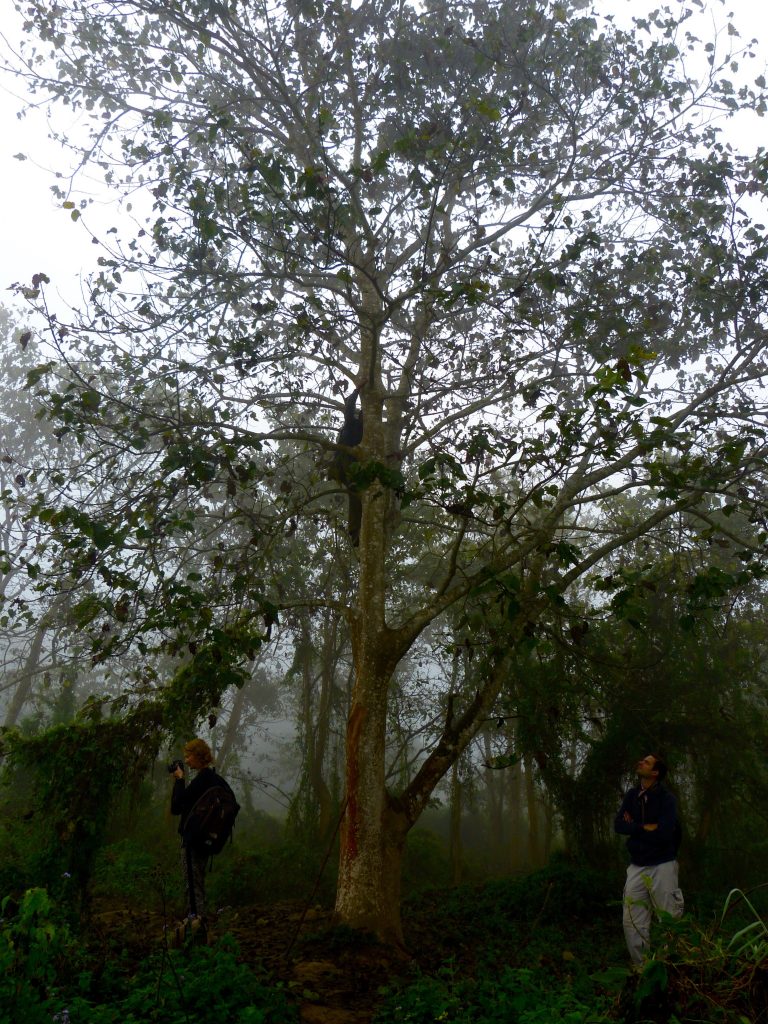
x: 538, y: 949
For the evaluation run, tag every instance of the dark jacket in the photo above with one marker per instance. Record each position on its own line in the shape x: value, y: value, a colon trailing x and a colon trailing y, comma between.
x: 653, y: 806
x: 183, y: 797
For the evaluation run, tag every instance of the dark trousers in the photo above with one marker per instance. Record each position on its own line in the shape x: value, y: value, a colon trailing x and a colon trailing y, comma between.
x: 193, y: 872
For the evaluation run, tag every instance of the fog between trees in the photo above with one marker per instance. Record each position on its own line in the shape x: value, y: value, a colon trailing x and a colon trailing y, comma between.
x: 514, y: 231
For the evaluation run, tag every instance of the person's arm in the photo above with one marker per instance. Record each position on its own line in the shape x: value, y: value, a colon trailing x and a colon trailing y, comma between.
x: 623, y: 823
x: 663, y: 829
x: 177, y: 794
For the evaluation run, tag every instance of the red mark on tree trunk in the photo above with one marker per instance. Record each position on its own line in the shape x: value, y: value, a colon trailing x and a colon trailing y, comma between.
x: 349, y: 835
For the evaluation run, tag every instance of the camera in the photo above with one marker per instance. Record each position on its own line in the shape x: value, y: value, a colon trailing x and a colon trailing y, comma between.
x: 174, y: 765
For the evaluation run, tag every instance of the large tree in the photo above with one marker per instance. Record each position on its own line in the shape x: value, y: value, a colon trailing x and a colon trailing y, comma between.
x: 509, y: 226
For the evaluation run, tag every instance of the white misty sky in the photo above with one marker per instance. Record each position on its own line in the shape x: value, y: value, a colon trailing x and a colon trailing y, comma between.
x: 38, y: 235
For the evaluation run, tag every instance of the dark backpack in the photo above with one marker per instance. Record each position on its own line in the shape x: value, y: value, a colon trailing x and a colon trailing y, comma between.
x: 210, y: 822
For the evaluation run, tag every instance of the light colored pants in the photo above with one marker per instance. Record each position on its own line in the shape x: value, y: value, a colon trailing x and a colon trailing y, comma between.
x: 648, y: 889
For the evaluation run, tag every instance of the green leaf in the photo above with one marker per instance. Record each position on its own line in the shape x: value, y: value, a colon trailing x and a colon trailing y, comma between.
x: 90, y: 400
x: 86, y: 610
x: 35, y: 375
x: 485, y: 108
x: 102, y: 535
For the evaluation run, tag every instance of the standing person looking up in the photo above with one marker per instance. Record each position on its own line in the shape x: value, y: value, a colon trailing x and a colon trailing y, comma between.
x: 648, y: 817
x: 198, y: 757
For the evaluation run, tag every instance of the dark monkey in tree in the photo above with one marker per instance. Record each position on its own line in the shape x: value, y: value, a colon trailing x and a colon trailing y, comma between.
x: 350, y: 436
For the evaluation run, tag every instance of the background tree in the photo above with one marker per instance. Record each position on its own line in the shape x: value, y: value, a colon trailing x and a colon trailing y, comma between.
x: 37, y: 656
x: 510, y: 227
x: 676, y: 664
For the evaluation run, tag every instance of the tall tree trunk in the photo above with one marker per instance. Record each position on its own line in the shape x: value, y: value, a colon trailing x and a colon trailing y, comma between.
x: 375, y: 824
x: 373, y: 829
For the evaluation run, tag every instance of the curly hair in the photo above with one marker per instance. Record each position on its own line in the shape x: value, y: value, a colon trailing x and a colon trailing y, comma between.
x: 200, y: 750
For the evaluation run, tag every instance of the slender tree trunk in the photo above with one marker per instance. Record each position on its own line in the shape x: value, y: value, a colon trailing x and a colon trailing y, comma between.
x: 533, y: 814
x: 316, y: 799
x: 515, y: 814
x: 495, y: 798
x: 329, y: 661
x: 455, y: 845
x: 28, y: 672
x: 233, y: 725
x: 549, y: 827
x: 704, y: 825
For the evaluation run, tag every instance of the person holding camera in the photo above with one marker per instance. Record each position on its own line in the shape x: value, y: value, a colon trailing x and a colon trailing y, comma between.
x: 198, y: 757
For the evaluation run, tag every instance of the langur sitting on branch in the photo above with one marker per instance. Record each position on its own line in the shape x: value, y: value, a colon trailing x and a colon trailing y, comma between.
x: 350, y: 436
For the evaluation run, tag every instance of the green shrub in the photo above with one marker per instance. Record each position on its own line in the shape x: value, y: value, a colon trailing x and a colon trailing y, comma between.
x: 42, y: 980
x: 513, y: 996
x: 32, y: 953
x: 426, y: 863
x: 125, y: 867
x: 205, y: 984
x: 253, y: 872
x: 561, y: 891
x: 533, y: 910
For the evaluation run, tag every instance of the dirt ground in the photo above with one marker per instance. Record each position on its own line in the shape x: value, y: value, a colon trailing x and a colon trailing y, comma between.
x: 334, y: 975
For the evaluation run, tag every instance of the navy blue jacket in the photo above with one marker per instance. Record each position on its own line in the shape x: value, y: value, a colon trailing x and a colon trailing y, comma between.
x: 653, y: 806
